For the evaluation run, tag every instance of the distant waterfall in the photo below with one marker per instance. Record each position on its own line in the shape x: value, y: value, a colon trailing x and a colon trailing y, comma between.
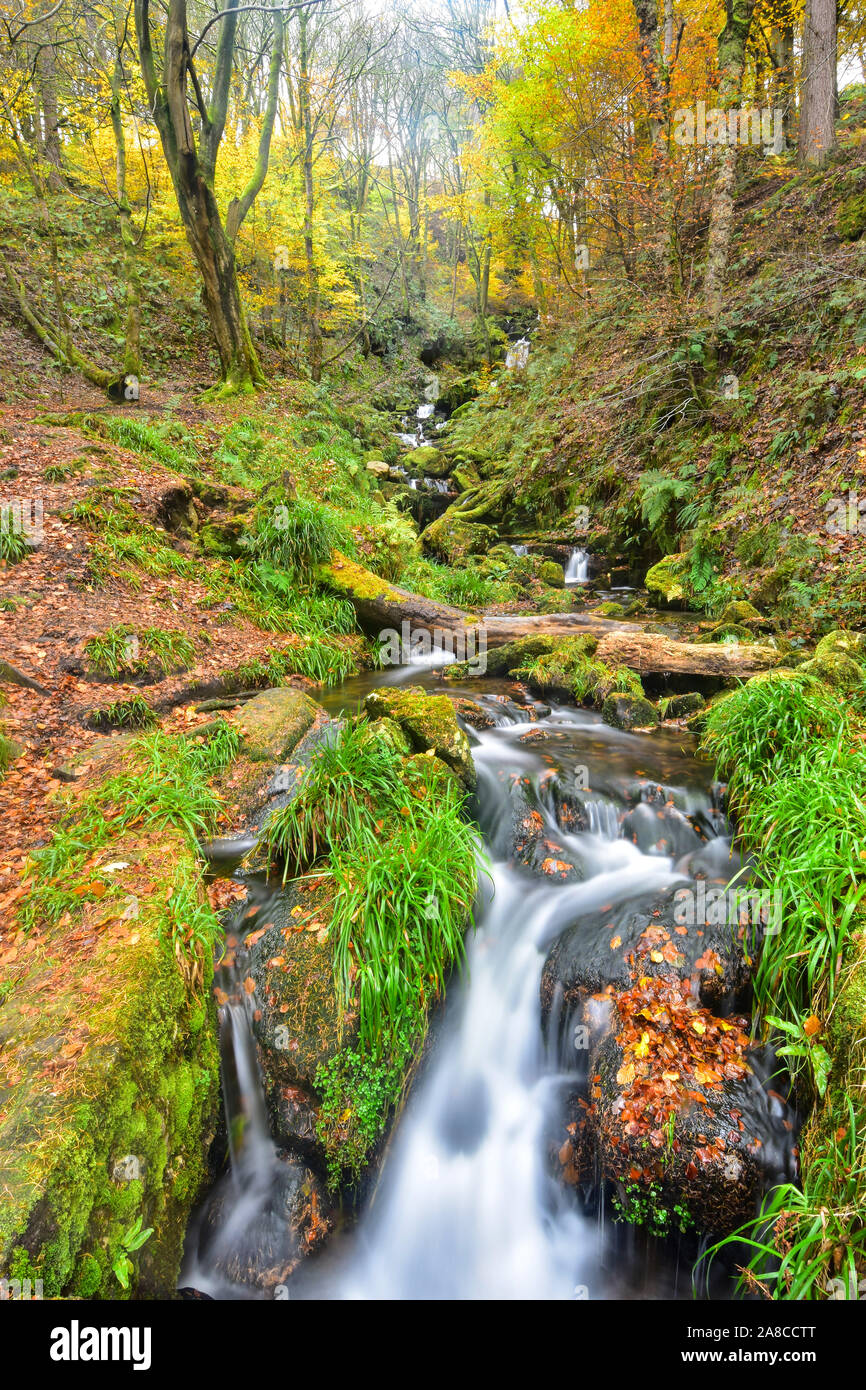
x: 577, y: 569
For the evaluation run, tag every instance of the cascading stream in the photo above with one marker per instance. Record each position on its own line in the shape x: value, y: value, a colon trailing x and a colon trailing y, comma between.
x: 466, y: 1205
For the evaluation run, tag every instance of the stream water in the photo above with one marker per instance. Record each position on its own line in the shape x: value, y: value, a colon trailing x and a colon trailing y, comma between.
x: 468, y: 1203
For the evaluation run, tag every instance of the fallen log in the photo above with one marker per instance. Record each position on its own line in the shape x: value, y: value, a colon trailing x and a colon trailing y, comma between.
x: 649, y: 653
x: 382, y: 606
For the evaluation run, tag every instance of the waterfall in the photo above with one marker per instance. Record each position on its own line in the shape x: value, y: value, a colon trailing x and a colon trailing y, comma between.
x: 520, y: 549
x: 518, y: 355
x: 577, y: 569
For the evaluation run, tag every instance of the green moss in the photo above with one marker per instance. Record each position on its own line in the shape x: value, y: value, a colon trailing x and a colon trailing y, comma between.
x: 272, y: 724
x: 430, y: 724
x: 108, y: 1112
x: 666, y: 577
x: 851, y: 218
x: 552, y: 574
x: 625, y: 711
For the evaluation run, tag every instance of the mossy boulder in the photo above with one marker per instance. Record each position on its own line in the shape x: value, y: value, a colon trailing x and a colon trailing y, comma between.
x: 109, y: 1085
x: 629, y: 712
x: 430, y: 724
x: 451, y: 539
x: 681, y: 706
x: 665, y: 578
x: 273, y: 722
x: 837, y: 670
x: 427, y: 462
x: 842, y: 643
x: 501, y: 661
x: 387, y: 732
x: 741, y: 612
x: 551, y: 573
x: 726, y: 632
x: 609, y: 610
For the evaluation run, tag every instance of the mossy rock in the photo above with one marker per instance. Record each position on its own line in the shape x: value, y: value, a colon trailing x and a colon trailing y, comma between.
x: 851, y: 217
x: 681, y: 706
x: 109, y: 1088
x: 842, y: 643
x: 556, y: 601
x: 387, y: 732
x: 741, y: 612
x: 426, y: 461
x: 665, y: 577
x: 299, y: 1023
x: 273, y: 722
x: 551, y: 573
x: 223, y: 537
x: 629, y: 712
x: 451, y: 539
x: 429, y: 722
x: 726, y: 632
x: 501, y: 661
x: 837, y: 670
x: 609, y: 610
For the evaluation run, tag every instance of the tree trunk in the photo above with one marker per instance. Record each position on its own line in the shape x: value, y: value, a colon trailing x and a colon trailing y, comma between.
x: 314, y: 332
x: 818, y: 110
x: 381, y: 605
x: 732, y: 60
x: 132, y: 336
x: 192, y: 178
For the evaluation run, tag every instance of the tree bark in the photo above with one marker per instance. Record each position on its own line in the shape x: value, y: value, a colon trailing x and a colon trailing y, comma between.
x: 818, y: 111
x: 732, y: 60
x: 192, y: 175
x: 314, y: 331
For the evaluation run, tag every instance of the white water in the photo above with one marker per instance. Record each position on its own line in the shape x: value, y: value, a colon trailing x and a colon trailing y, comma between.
x: 577, y: 569
x: 517, y: 356
x: 465, y: 1207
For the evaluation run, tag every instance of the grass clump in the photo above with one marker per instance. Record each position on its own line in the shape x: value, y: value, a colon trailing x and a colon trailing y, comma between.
x: 164, y: 781
x: 295, y: 535
x: 571, y: 668
x: 796, y: 758
x: 404, y: 863
x: 125, y: 650
x: 133, y: 712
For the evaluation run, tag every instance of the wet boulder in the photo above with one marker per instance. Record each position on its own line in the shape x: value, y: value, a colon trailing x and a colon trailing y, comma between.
x: 430, y: 724
x: 473, y: 714
x: 629, y: 712
x: 291, y: 1218
x: 663, y: 935
x: 661, y: 829
x: 426, y: 461
x: 679, y: 1118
